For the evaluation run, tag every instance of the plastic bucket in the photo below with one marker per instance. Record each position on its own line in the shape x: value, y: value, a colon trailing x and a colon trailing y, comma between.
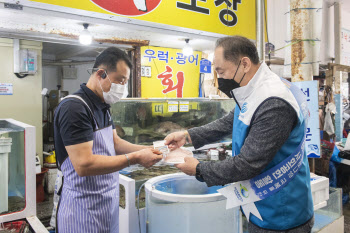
x: 179, y: 203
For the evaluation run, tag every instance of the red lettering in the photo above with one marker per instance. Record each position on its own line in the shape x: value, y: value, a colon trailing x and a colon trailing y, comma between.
x: 167, y: 81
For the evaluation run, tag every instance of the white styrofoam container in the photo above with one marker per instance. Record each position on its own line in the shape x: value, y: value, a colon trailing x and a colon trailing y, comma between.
x: 319, y: 190
x: 50, y: 180
x: 5, y: 149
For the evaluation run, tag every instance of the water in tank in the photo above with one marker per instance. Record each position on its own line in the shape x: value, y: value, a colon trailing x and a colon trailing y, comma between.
x: 12, y: 168
x: 179, y: 203
x: 144, y: 121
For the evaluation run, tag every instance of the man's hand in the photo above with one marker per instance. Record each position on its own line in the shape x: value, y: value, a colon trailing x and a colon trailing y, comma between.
x: 148, y: 157
x: 189, y: 166
x: 176, y: 140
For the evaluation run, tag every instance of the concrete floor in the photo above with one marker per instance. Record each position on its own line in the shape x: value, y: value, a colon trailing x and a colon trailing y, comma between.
x: 44, y: 210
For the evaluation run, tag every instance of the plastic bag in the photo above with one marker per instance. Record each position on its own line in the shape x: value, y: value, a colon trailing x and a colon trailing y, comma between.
x: 56, y: 198
x: 331, y: 108
x: 328, y: 124
x: 335, y: 156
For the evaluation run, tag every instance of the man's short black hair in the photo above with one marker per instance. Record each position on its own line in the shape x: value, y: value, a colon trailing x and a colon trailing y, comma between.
x: 109, y: 58
x: 237, y: 46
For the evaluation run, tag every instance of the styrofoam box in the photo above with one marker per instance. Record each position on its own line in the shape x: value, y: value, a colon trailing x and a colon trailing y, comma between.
x: 319, y: 190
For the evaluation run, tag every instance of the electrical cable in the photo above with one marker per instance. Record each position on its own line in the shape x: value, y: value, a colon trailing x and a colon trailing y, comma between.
x: 297, y: 41
x: 312, y: 41
x: 21, y: 76
x: 309, y: 8
x: 267, y: 33
x: 303, y: 63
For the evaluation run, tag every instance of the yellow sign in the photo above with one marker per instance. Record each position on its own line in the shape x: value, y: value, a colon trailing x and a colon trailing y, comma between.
x: 162, y: 108
x: 229, y: 17
x: 184, y: 106
x: 171, y: 74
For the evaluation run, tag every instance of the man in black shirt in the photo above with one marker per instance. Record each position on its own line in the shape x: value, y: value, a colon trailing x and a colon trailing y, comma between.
x: 89, y: 151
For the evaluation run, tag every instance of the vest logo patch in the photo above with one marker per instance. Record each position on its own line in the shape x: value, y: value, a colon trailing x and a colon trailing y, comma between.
x: 244, y: 107
x: 238, y: 195
x: 244, y: 191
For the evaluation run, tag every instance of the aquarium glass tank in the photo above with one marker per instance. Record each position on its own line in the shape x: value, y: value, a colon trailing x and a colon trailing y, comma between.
x: 12, y: 168
x: 143, y: 121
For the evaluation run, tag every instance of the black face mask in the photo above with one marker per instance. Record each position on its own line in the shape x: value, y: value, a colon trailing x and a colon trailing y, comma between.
x: 227, y: 85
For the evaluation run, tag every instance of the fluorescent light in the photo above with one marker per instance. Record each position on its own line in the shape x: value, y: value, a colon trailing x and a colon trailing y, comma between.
x: 187, y: 50
x: 85, y: 37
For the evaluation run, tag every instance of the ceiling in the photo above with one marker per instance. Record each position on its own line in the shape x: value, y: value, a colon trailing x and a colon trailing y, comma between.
x: 61, y: 28
x: 66, y: 51
x: 59, y: 32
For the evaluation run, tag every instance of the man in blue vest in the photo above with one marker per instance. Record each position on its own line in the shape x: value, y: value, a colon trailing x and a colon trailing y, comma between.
x: 267, y: 127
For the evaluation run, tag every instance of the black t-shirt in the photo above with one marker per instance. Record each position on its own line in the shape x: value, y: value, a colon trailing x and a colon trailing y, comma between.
x: 74, y: 123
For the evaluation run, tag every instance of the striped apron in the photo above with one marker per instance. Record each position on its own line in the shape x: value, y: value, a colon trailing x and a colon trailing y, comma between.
x: 91, y: 203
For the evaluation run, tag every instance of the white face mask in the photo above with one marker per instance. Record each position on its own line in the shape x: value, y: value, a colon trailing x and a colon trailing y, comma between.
x: 126, y: 92
x: 115, y: 93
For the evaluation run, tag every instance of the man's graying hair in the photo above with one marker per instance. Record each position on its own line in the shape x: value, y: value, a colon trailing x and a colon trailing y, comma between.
x: 237, y: 46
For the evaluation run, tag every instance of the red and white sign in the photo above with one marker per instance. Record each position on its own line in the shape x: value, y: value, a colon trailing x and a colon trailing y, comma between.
x: 128, y: 7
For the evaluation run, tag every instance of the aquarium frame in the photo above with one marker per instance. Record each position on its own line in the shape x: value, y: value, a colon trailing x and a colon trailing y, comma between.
x: 29, y: 211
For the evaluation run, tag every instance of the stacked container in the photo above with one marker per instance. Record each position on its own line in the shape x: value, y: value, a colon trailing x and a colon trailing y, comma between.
x: 5, y: 149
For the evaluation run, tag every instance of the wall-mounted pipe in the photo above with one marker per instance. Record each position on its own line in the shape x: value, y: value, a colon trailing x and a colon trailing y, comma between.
x: 260, y: 29
x: 337, y: 32
x: 301, y: 54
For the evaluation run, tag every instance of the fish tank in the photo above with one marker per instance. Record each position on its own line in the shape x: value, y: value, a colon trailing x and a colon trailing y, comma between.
x: 143, y: 121
x: 331, y: 212
x: 17, y: 170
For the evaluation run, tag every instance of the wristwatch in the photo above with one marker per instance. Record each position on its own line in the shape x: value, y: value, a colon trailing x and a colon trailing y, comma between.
x: 199, y: 176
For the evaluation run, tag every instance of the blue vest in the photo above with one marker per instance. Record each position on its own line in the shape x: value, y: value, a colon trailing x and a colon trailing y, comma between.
x: 292, y: 206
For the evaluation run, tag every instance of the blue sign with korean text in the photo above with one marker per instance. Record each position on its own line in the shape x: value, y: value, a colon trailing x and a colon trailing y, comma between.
x: 312, y: 141
x: 205, y: 66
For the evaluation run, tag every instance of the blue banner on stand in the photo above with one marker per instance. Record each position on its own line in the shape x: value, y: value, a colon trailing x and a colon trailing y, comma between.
x: 312, y: 141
